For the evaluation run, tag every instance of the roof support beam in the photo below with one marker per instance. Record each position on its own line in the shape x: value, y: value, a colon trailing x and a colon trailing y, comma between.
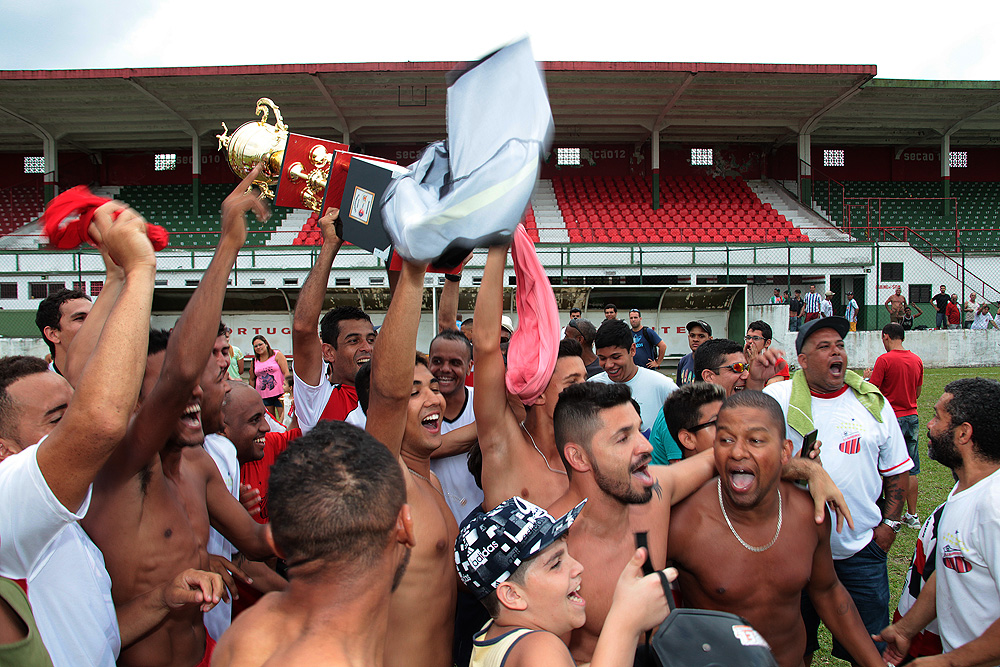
x: 951, y: 130
x: 811, y: 122
x: 50, y: 152
x: 659, y: 124
x: 188, y: 127
x: 328, y: 96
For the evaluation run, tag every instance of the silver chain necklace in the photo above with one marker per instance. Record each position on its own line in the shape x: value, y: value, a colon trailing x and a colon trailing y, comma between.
x: 452, y: 495
x: 551, y: 469
x: 737, y: 535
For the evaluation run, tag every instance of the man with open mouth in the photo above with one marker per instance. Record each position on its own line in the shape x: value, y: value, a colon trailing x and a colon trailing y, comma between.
x: 761, y: 528
x: 865, y: 455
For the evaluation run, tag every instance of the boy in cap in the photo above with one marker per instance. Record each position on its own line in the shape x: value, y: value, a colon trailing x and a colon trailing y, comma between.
x: 516, y: 561
x: 698, y: 332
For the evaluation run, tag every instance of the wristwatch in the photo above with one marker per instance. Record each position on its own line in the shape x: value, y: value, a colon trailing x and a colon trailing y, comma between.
x: 895, y: 525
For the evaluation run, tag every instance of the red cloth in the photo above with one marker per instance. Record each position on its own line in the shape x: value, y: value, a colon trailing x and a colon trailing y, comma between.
x: 68, y: 216
x: 534, y: 347
x: 342, y: 401
x: 206, y: 660
x: 954, y: 316
x: 897, y: 374
x: 781, y: 368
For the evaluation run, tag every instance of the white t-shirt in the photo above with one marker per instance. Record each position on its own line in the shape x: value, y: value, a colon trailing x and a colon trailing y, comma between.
x: 460, y: 489
x: 223, y: 452
x: 857, y: 452
x: 826, y: 308
x: 310, y: 401
x: 357, y: 417
x: 649, y: 389
x: 968, y: 568
x: 68, y: 585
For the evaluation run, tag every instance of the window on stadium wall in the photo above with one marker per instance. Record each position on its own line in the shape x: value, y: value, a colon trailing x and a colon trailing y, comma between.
x: 892, y: 271
x: 42, y: 290
x: 919, y: 294
x: 8, y: 290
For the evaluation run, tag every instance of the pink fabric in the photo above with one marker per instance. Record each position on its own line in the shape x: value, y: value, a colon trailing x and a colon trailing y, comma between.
x: 534, y: 347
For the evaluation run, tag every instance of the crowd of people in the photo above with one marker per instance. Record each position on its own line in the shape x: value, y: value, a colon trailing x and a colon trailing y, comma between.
x: 480, y: 504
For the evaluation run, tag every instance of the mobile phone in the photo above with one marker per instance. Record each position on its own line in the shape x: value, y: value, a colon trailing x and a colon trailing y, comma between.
x: 808, y: 444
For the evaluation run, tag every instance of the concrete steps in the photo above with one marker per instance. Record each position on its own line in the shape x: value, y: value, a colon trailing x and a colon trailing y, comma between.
x: 808, y: 222
x: 548, y: 218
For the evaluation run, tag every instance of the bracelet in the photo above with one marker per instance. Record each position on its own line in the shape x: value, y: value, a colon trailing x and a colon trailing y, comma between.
x: 453, y: 278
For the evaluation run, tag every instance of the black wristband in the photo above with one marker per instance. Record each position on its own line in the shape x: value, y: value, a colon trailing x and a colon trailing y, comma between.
x: 453, y: 278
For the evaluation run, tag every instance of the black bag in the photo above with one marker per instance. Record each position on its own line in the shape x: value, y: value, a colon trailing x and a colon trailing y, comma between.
x: 702, y: 637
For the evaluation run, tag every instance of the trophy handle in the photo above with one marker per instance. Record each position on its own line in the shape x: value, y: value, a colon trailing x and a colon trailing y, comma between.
x: 223, y: 138
x: 262, y: 105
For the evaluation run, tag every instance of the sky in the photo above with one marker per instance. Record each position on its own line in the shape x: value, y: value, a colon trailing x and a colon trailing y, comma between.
x: 911, y: 40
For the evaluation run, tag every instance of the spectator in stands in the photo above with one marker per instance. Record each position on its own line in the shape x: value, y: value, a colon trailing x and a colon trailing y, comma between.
x: 983, y: 318
x: 826, y: 307
x: 698, y: 332
x: 584, y: 332
x: 610, y: 311
x: 347, y: 553
x: 953, y: 313
x: 940, y: 303
x: 615, y: 350
x: 268, y: 368
x: 907, y: 321
x: 60, y: 315
x: 776, y: 297
x: 345, y: 340
x: 896, y: 305
x: 795, y: 306
x: 851, y: 311
x: 649, y: 347
x: 813, y: 300
x: 962, y: 595
x: 758, y: 339
x: 689, y: 415
x: 970, y: 309
x: 575, y: 313
x: 899, y: 375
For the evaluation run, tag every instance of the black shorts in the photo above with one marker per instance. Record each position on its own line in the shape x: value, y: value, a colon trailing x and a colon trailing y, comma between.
x: 273, y: 402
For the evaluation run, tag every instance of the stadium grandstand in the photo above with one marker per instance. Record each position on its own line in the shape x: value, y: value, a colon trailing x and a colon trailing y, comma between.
x: 667, y: 182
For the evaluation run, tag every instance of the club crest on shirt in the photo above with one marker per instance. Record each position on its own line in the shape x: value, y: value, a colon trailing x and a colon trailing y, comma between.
x: 953, y: 559
x: 852, y: 445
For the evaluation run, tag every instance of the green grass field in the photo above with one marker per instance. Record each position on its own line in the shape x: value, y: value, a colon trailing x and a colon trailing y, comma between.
x: 935, y: 483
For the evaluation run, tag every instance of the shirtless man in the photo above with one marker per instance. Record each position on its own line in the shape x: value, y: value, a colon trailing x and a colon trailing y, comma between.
x: 344, y: 341
x: 405, y: 412
x: 597, y: 428
x: 153, y: 498
x: 346, y: 553
x: 895, y: 305
x: 766, y: 567
x: 520, y: 457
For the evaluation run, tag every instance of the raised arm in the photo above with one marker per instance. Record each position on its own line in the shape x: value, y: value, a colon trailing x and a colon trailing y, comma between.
x: 393, y: 358
x: 306, y: 346
x: 98, y: 414
x: 494, y: 420
x: 683, y: 478
x: 190, y: 342
x: 86, y: 338
x: 448, y: 305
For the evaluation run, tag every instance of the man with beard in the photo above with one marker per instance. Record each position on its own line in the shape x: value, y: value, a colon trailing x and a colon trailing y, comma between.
x: 344, y: 341
x: 450, y: 360
x: 775, y: 549
x: 598, y: 429
x: 405, y: 411
x: 340, y: 519
x: 154, y: 499
x: 518, y: 444
x: 962, y: 592
x: 865, y: 455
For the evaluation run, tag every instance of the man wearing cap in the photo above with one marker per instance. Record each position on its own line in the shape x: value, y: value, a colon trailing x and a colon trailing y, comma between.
x: 515, y: 559
x: 864, y: 453
x: 851, y: 312
x: 826, y: 307
x: 795, y: 306
x: 698, y: 332
x: 812, y: 304
x: 649, y: 347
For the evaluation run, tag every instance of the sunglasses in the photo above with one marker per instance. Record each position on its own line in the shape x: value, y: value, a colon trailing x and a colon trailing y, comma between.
x: 737, y: 367
x: 695, y: 429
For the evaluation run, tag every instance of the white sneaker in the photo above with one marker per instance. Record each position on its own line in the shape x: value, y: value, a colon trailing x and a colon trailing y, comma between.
x: 911, y: 520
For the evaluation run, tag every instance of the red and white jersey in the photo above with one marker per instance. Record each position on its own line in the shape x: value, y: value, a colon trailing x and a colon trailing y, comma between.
x: 968, y: 566
x: 857, y: 452
x: 927, y: 642
x: 324, y: 401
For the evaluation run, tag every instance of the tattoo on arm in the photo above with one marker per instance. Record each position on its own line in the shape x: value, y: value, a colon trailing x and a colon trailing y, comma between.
x: 895, y: 496
x: 657, y: 489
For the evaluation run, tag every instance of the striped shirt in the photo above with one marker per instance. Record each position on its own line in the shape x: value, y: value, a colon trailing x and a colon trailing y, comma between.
x: 813, y: 301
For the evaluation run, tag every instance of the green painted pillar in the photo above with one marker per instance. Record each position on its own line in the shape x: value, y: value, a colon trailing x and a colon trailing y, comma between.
x: 656, y: 169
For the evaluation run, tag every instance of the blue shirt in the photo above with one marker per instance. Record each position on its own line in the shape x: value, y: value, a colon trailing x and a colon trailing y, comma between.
x: 645, y: 339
